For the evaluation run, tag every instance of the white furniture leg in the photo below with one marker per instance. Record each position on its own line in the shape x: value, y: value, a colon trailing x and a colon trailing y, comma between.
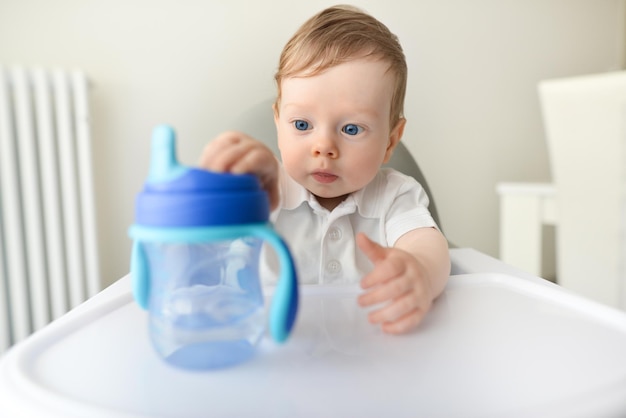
x: 524, y: 209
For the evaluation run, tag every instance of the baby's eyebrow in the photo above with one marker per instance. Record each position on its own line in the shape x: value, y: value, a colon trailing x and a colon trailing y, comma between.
x: 356, y: 114
x: 296, y: 106
x: 373, y: 113
x: 355, y: 111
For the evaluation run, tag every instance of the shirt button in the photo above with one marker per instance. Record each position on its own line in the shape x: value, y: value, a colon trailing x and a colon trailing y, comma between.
x: 333, y: 267
x: 334, y: 234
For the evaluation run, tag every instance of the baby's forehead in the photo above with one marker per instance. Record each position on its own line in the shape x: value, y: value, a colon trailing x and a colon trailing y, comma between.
x: 355, y: 84
x: 304, y: 68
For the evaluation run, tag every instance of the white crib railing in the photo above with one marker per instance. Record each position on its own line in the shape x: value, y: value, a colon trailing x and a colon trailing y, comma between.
x: 48, y: 246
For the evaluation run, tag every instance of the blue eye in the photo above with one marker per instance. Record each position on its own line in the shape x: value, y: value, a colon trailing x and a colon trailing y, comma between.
x: 352, y: 129
x: 301, y: 125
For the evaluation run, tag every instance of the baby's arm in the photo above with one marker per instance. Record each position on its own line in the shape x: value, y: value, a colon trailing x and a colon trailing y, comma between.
x: 406, y: 278
x: 238, y: 153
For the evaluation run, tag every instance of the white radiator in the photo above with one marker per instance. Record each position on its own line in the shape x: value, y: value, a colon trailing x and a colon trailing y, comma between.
x: 48, y: 246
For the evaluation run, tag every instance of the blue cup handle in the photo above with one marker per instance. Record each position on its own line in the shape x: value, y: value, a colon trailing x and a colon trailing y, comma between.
x: 284, y: 306
x: 140, y: 275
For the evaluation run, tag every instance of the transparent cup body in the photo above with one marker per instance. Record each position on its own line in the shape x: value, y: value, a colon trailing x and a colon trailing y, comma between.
x: 206, y: 305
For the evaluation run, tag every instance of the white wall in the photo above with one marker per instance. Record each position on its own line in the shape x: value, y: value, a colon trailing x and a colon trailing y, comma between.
x: 202, y: 65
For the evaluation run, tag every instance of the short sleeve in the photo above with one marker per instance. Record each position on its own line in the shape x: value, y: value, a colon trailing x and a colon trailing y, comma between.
x: 407, y: 206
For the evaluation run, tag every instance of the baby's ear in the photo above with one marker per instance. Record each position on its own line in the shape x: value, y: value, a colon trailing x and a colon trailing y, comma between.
x: 394, y: 138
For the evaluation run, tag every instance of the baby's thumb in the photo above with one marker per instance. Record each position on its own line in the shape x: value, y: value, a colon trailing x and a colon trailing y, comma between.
x: 374, y: 251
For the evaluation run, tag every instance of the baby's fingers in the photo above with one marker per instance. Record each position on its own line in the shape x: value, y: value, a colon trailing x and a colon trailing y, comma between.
x: 224, y: 152
x: 400, y: 316
x: 375, y: 252
x: 390, y: 290
x: 242, y: 158
x: 395, y: 310
x: 404, y: 324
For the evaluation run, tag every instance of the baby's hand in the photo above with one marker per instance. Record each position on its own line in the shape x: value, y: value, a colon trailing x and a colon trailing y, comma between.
x: 239, y: 153
x: 398, y: 279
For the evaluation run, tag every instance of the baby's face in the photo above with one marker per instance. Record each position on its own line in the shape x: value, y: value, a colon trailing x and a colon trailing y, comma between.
x: 333, y: 128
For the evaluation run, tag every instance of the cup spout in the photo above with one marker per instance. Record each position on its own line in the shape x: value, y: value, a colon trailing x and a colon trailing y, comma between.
x: 163, y: 163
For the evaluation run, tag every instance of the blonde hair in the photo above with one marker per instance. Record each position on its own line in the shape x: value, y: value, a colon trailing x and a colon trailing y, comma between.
x: 337, y: 35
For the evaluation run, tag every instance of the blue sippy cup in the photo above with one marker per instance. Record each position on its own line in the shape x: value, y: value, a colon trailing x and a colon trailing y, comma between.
x: 195, y: 260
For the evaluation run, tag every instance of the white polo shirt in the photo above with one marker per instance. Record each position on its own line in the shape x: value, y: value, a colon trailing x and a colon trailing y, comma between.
x: 323, y: 243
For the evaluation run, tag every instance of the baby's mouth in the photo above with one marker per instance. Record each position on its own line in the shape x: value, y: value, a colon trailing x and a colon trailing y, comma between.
x: 324, y: 177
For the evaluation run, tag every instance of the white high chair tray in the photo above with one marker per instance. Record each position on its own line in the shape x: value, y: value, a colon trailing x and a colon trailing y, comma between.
x: 493, y: 346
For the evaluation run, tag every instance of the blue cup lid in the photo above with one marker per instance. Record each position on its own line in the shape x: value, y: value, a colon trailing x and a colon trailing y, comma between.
x: 179, y: 196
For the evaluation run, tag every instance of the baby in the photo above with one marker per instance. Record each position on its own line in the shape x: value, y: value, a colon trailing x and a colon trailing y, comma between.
x: 339, y: 116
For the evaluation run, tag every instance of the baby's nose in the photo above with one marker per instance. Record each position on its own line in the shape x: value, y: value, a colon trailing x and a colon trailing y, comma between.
x: 325, y: 147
